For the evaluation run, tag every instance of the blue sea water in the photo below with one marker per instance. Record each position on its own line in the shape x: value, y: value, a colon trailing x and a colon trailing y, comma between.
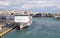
x: 40, y: 28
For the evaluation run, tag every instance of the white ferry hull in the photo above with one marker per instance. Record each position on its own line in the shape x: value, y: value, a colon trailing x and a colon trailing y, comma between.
x: 25, y: 22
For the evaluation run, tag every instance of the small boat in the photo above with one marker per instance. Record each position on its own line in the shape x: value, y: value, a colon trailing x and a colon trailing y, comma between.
x: 1, y: 27
x: 57, y: 17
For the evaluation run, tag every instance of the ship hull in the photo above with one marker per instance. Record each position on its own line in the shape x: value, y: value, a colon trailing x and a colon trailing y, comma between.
x: 23, y: 21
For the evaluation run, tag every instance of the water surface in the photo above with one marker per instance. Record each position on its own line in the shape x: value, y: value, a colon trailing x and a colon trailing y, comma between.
x: 40, y: 28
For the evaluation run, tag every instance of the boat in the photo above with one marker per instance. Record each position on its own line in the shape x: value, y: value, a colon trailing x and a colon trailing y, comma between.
x: 23, y: 20
x: 57, y: 17
x: 1, y: 27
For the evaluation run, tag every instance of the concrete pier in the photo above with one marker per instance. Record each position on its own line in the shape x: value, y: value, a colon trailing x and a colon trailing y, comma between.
x: 6, y: 29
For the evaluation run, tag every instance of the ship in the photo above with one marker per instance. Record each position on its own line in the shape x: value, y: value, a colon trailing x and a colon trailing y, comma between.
x: 23, y: 21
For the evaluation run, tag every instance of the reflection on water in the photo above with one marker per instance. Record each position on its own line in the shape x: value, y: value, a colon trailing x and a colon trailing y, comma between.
x: 40, y: 28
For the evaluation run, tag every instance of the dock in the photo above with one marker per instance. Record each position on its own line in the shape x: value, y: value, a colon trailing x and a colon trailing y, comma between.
x: 5, y: 31
x: 6, y: 28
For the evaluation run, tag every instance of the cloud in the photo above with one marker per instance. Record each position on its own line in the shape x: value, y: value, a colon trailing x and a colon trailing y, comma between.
x: 30, y: 4
x: 37, y: 4
x: 4, y: 3
x: 58, y: 6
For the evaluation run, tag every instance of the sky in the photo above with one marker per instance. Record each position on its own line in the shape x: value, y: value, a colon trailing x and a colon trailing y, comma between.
x: 43, y: 6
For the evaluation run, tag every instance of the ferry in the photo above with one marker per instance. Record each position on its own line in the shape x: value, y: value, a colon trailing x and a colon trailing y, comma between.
x: 57, y: 17
x: 23, y: 20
